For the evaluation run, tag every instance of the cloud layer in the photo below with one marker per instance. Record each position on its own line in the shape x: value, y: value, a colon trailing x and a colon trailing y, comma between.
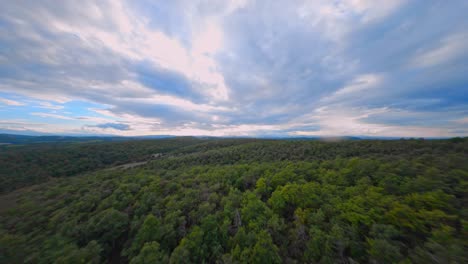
x: 235, y: 68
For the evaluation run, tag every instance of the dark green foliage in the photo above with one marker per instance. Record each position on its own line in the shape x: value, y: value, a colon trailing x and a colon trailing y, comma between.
x: 150, y: 253
x: 252, y: 201
x: 31, y: 164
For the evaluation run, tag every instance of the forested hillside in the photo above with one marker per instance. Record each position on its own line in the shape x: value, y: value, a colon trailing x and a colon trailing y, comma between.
x: 238, y: 201
x: 35, y: 163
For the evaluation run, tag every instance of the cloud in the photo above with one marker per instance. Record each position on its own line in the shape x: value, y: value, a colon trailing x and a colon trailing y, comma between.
x: 450, y: 48
x: 463, y: 120
x: 236, y: 67
x: 111, y: 30
x: 10, y: 102
x: 360, y: 122
x: 136, y: 41
x: 116, y: 126
x: 336, y: 19
x: 40, y: 128
x: 355, y: 88
x: 48, y: 105
x: 50, y: 115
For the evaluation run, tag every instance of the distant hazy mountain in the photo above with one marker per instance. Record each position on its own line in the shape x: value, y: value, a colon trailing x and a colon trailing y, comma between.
x: 26, y: 139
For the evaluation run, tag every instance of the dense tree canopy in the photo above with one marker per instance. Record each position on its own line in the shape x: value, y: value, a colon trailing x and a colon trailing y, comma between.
x: 24, y: 165
x: 248, y: 201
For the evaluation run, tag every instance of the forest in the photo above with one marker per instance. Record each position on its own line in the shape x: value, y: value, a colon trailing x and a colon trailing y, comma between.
x: 212, y: 200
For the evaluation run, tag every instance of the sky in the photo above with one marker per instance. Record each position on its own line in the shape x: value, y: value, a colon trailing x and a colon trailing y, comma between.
x: 393, y: 68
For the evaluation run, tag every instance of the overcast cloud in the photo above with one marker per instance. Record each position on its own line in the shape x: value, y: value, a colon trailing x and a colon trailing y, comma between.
x: 235, y: 68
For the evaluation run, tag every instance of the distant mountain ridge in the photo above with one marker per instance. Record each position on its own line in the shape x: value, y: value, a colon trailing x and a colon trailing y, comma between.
x: 8, y: 138
x: 27, y: 139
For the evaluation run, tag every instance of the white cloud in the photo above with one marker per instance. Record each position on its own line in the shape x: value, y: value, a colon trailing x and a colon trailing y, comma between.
x: 48, y: 105
x: 252, y: 67
x: 448, y: 49
x: 337, y: 122
x: 463, y: 120
x: 233, y: 5
x: 371, y: 10
x: 11, y: 102
x: 355, y: 87
x: 134, y: 92
x: 94, y: 119
x: 87, y: 119
x: 139, y: 125
x: 176, y: 102
x: 349, y: 121
x: 27, y: 125
x: 28, y: 88
x: 209, y: 41
x: 136, y: 40
x: 50, y: 115
x: 336, y: 19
